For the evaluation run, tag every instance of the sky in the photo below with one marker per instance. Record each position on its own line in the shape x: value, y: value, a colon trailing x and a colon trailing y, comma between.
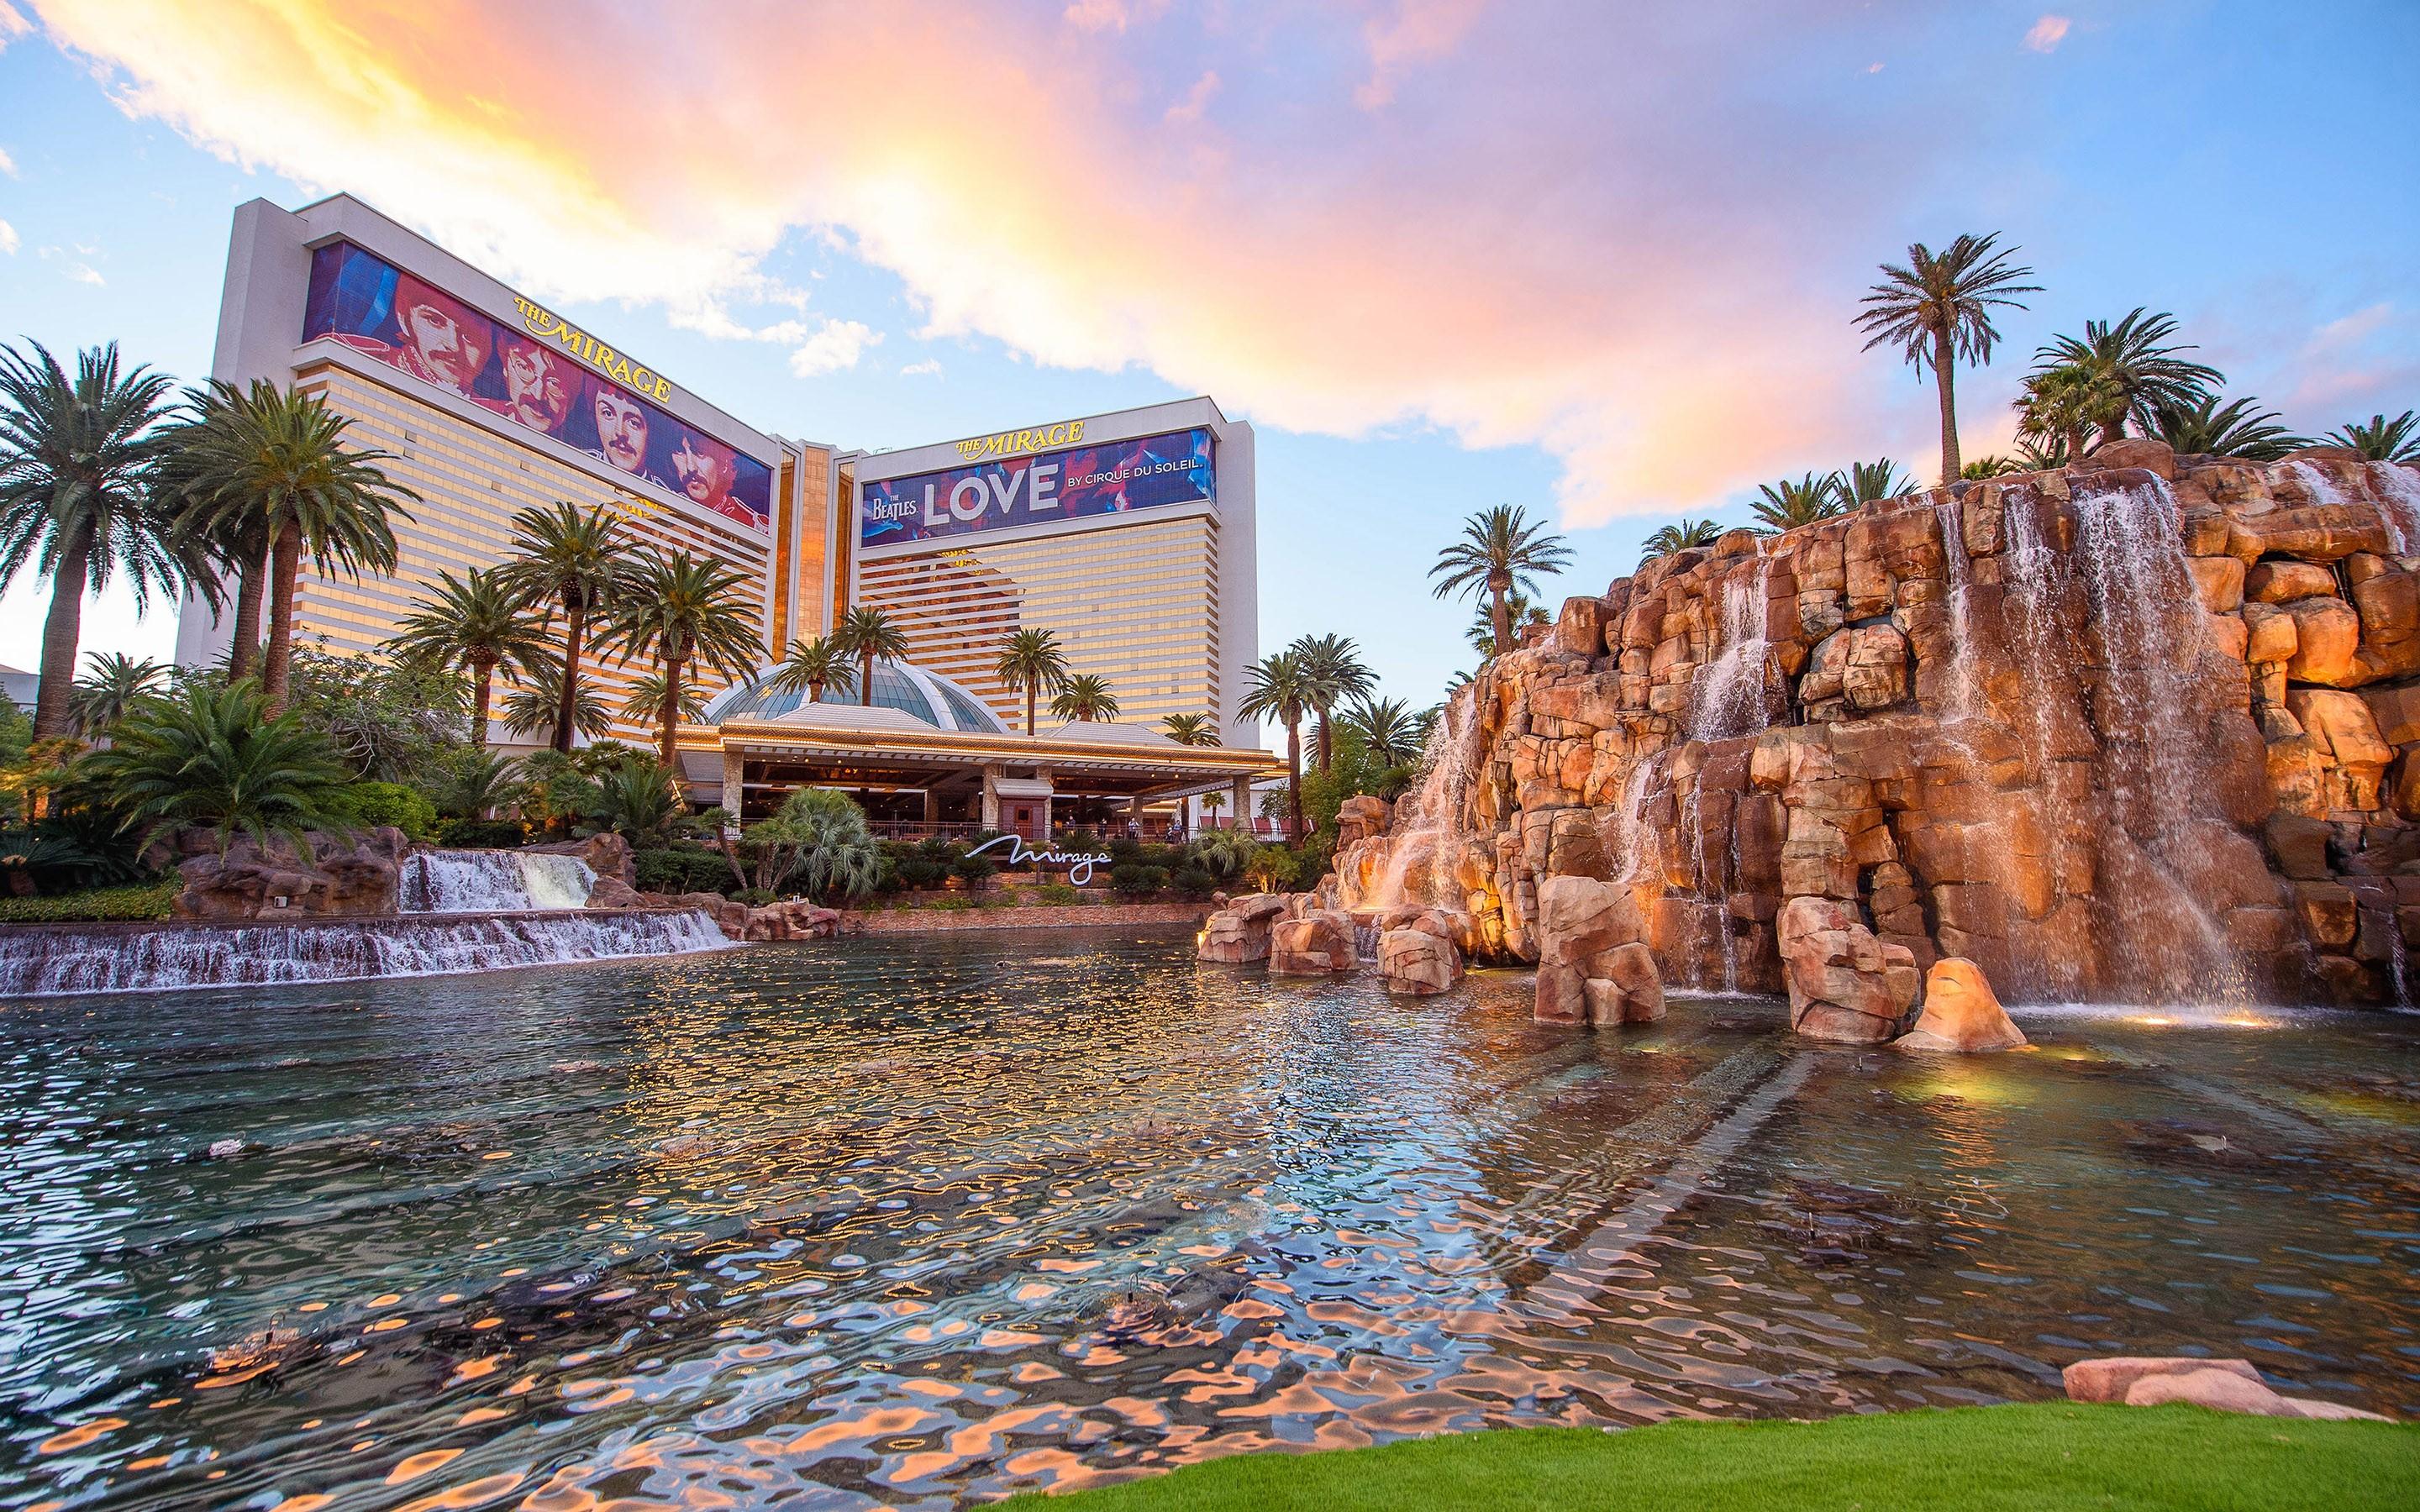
x: 1597, y: 259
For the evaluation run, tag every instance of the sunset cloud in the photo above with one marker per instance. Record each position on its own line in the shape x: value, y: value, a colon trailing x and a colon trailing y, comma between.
x: 2047, y: 34
x: 1620, y: 239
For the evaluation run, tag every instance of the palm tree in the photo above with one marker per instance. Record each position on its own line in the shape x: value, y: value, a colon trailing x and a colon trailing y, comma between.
x: 813, y: 665
x: 2232, y: 429
x: 75, y: 461
x: 2129, y: 370
x: 1388, y: 729
x: 1865, y: 482
x: 477, y: 623
x: 565, y: 556
x: 1332, y: 663
x: 115, y: 685
x: 1190, y: 729
x: 2034, y: 457
x: 478, y: 783
x: 1787, y: 504
x: 276, y: 460
x: 1983, y: 468
x: 1275, y: 687
x: 1685, y: 536
x: 1938, y: 311
x: 866, y: 633
x: 1523, y: 615
x: 2061, y: 407
x: 1084, y: 697
x: 1500, y: 549
x: 234, y: 545
x: 645, y: 703
x: 212, y: 756
x: 2381, y: 439
x: 535, y: 703
x: 1031, y: 659
x: 683, y: 612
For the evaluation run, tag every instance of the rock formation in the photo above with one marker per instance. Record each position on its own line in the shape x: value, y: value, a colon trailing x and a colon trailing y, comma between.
x: 356, y: 876
x: 1240, y: 931
x: 2140, y: 730
x: 1317, y: 944
x: 1961, y: 1012
x: 1418, y: 962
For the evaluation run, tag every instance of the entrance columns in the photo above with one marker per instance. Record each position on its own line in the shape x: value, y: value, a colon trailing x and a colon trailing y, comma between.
x: 1242, y: 798
x: 990, y: 799
x: 1043, y: 773
x: 932, y: 807
x: 733, y: 786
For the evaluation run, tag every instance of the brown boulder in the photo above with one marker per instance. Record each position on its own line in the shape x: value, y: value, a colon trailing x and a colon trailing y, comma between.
x: 1628, y: 987
x: 356, y: 875
x: 2219, y: 581
x: 2150, y: 455
x: 2342, y: 731
x: 2108, y: 1379
x: 1961, y: 1012
x: 1835, y: 970
x: 1240, y: 931
x: 608, y: 855
x: 2221, y: 1390
x: 613, y: 892
x: 1318, y: 944
x: 2327, y: 642
x: 1361, y: 817
x: 1418, y: 963
x: 2282, y: 582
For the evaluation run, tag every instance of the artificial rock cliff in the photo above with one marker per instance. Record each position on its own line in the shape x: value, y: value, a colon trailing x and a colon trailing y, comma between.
x: 2142, y: 729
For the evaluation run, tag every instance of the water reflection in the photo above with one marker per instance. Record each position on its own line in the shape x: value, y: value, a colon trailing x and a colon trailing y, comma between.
x: 905, y: 1221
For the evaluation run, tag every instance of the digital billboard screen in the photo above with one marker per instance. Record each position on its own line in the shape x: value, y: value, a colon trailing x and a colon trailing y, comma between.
x: 1076, y: 483
x: 532, y: 381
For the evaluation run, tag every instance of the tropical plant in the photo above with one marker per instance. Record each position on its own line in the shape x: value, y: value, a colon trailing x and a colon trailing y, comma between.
x: 2235, y: 429
x: 211, y: 757
x: 2061, y: 407
x: 115, y: 683
x: 386, y: 720
x: 1982, y: 469
x: 683, y: 612
x: 1031, y: 659
x: 1225, y: 853
x: 865, y: 633
x: 1501, y: 550
x: 1084, y: 697
x: 1332, y: 664
x: 1271, y: 868
x: 645, y: 701
x: 2128, y: 368
x: 1524, y: 617
x: 534, y: 704
x: 1788, y: 504
x: 562, y: 556
x: 2381, y: 439
x: 1190, y: 729
x: 76, y: 456
x: 1685, y: 536
x: 1277, y: 689
x: 276, y: 461
x: 1387, y: 727
x: 814, y: 664
x: 475, y: 783
x: 477, y: 623
x: 820, y: 836
x: 2034, y: 457
x: 1937, y: 310
x: 1866, y: 483
x: 636, y: 799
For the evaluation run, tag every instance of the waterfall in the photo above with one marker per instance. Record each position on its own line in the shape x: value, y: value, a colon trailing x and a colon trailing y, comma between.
x: 484, y: 882
x: 36, y: 961
x: 1730, y: 696
x: 2398, y: 490
x: 1960, y: 571
x: 1424, y: 847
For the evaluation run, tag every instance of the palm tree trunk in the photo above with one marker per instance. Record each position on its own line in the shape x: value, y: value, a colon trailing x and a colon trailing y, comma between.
x: 482, y: 676
x: 865, y: 679
x: 246, y: 649
x: 574, y: 614
x: 54, y: 705
x: 276, y: 671
x: 1499, y: 616
x: 1326, y: 754
x: 668, y: 712
x: 1029, y: 687
x: 1943, y: 359
x: 1293, y: 775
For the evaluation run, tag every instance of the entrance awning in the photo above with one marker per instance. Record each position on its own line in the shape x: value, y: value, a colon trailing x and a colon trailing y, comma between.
x: 1023, y: 787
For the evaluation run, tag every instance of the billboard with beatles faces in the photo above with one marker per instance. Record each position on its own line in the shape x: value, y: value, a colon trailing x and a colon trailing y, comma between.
x: 1075, y: 483
x: 544, y: 376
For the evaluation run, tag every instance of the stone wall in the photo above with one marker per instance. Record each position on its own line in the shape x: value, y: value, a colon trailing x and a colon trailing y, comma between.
x: 2141, y: 730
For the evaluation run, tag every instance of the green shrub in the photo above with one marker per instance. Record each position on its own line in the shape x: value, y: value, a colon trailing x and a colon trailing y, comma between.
x: 1124, y: 852
x: 97, y: 905
x: 1195, y: 883
x: 974, y: 871
x: 368, y: 805
x: 917, y: 873
x: 483, y: 834
x: 682, y: 870
x: 1135, y: 880
x: 756, y: 896
x: 1058, y: 893
x: 950, y: 905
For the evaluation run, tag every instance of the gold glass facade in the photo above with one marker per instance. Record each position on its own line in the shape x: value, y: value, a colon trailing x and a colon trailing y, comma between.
x: 1135, y: 604
x: 471, y: 480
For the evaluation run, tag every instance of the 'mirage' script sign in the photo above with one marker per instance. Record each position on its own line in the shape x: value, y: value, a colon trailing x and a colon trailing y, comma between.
x: 1079, y: 865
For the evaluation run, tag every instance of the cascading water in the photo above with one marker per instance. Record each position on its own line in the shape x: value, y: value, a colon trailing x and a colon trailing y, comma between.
x: 467, y: 882
x: 1731, y: 696
x: 38, y: 962
x: 2399, y: 489
x: 1425, y: 847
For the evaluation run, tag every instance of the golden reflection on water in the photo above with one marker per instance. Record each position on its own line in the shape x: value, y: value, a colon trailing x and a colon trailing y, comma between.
x: 912, y: 1222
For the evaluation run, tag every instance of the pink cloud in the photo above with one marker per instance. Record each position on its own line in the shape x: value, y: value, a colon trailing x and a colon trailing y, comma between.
x: 2047, y: 34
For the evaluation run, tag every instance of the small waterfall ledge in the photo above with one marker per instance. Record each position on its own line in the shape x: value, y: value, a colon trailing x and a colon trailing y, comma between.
x: 487, y: 881
x: 47, y: 960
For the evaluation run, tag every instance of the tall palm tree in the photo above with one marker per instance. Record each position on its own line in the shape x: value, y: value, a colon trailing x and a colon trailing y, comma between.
x: 645, y: 703
x: 1388, y: 729
x: 535, y: 703
x: 1938, y: 311
x: 1084, y: 697
x: 683, y: 612
x: 1685, y: 536
x: 1190, y: 729
x: 1788, y: 504
x: 866, y: 633
x: 2235, y: 429
x: 1866, y: 483
x: 1524, y: 616
x: 2060, y: 406
x: 1502, y: 548
x: 2130, y: 371
x: 234, y: 543
x: 565, y: 556
x: 1031, y: 659
x: 812, y: 664
x: 76, y: 456
x: 1333, y: 665
x: 276, y: 460
x: 477, y: 623
x: 115, y: 685
x: 1275, y: 688
x: 2381, y: 439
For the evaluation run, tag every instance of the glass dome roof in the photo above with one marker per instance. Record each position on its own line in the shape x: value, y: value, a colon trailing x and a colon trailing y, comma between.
x: 911, y: 690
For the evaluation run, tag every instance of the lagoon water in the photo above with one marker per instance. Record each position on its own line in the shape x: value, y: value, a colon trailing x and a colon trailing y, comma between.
x: 912, y: 1221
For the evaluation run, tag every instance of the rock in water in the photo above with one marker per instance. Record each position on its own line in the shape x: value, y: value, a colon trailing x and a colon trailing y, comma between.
x: 1839, y: 980
x: 1961, y: 1011
x: 1318, y: 944
x: 1240, y: 931
x: 1418, y: 961
x: 1593, y: 969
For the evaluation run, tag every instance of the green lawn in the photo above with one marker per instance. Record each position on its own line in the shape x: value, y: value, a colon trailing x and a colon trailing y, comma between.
x: 2053, y: 1456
